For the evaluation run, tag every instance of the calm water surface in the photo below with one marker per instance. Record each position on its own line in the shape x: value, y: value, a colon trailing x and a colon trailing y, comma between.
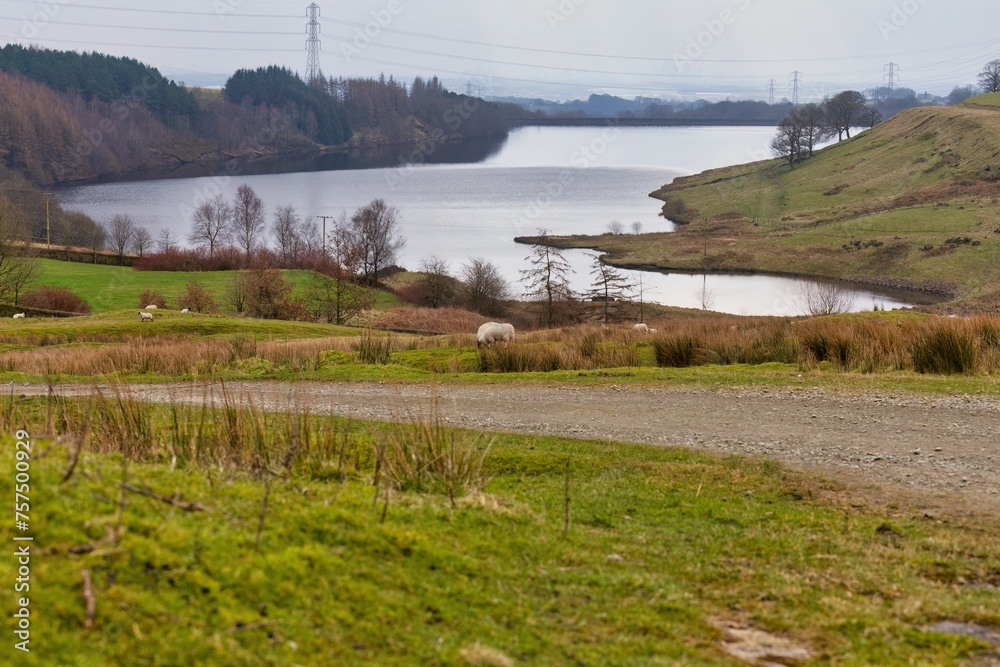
x: 463, y: 202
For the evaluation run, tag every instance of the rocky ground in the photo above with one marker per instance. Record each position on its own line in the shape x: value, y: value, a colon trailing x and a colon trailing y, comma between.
x: 930, y: 454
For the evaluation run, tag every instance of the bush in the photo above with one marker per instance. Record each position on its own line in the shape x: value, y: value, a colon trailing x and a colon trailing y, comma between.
x: 150, y: 297
x: 55, y: 298
x: 196, y: 298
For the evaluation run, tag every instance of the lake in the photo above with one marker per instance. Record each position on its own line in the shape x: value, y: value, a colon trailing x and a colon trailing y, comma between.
x: 458, y: 201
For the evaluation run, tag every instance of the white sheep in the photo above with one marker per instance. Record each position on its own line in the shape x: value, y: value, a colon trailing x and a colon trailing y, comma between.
x: 494, y: 332
x: 19, y: 316
x: 641, y: 327
x: 151, y: 306
x: 185, y: 311
x: 145, y: 317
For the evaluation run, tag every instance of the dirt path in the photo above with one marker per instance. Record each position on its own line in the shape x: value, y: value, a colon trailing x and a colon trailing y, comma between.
x: 932, y: 453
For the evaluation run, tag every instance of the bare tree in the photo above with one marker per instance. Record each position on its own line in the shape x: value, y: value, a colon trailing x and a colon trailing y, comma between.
x: 286, y: 230
x: 211, y: 225
x: 97, y: 237
x: 439, y: 286
x: 989, y: 78
x: 375, y: 228
x: 336, y: 296
x: 788, y: 143
x: 610, y: 285
x: 547, y: 279
x: 166, y: 241
x: 825, y: 298
x: 616, y: 227
x: 811, y: 119
x: 485, y: 290
x: 871, y: 116
x: 121, y: 232
x: 248, y: 219
x: 142, y: 239
x: 843, y: 111
x: 18, y: 266
x: 637, y: 227
x: 706, y: 298
x: 959, y: 94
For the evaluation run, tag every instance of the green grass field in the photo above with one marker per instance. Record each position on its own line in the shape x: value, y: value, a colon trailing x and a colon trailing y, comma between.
x: 108, y: 288
x: 574, y: 552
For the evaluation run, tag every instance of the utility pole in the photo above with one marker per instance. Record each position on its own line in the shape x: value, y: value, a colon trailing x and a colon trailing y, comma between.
x: 48, y: 225
x: 891, y: 75
x: 313, y: 45
x: 770, y: 91
x: 324, y: 217
x: 796, y: 79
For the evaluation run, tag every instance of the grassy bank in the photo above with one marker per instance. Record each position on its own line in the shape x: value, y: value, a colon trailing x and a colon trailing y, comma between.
x: 109, y: 288
x: 884, y: 351
x: 911, y: 203
x: 297, y: 541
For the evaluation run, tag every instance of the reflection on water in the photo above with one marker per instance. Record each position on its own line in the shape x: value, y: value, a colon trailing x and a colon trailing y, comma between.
x: 479, y: 149
x: 471, y: 199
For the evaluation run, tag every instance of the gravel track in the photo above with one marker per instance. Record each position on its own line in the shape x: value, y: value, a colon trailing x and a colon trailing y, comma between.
x: 930, y: 453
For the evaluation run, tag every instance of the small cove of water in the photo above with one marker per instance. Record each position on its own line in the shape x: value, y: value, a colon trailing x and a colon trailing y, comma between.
x: 566, y: 180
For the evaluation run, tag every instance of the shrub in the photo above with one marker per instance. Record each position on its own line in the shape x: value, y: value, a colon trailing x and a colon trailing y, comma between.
x: 55, y: 298
x: 151, y: 297
x: 196, y: 298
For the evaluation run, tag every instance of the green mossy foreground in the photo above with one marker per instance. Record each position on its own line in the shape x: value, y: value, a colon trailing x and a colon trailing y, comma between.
x: 911, y: 204
x: 662, y: 546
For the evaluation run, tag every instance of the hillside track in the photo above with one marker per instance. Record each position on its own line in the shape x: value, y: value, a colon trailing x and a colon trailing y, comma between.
x: 922, y: 453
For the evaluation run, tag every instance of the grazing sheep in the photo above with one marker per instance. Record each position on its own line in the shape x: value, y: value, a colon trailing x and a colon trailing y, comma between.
x: 494, y: 332
x: 640, y: 327
x: 185, y: 311
x: 19, y: 316
x: 151, y: 306
x: 145, y: 317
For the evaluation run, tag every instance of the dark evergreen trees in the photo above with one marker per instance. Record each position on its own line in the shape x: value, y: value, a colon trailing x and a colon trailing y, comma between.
x: 317, y: 114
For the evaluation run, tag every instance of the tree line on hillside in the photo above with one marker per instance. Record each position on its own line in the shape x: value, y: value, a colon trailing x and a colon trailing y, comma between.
x: 385, y: 110
x: 95, y: 76
x: 66, y: 116
x: 808, y: 125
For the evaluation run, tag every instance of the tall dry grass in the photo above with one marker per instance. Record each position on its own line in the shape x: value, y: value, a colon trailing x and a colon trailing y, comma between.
x: 851, y: 344
x: 227, y: 428
x: 171, y: 356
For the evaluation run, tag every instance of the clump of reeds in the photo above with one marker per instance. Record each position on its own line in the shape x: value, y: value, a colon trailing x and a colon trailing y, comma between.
x: 424, y: 455
x: 946, y: 348
x: 374, y: 349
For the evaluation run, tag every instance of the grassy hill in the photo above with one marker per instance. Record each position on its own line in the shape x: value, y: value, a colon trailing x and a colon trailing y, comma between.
x: 910, y: 203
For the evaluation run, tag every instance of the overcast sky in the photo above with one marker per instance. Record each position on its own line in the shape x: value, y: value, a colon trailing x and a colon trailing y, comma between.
x: 556, y: 48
